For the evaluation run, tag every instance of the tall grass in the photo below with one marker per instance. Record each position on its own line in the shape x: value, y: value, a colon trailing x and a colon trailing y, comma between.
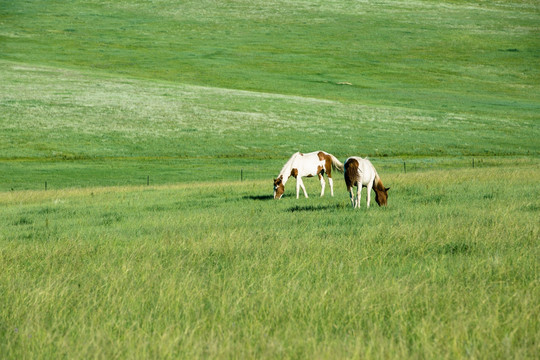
x: 448, y: 270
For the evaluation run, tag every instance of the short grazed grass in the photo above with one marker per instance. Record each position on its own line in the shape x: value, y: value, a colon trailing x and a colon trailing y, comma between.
x: 87, y: 129
x: 448, y: 270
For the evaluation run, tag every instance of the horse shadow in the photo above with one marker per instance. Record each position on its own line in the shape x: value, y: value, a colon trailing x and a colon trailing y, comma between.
x: 259, y: 197
x: 307, y: 208
x: 296, y: 208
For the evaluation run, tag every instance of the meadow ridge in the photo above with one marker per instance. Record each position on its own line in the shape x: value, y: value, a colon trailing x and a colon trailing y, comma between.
x: 138, y: 141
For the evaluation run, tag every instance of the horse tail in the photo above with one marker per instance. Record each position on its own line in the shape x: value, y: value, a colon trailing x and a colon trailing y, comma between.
x: 351, y: 173
x: 336, y: 164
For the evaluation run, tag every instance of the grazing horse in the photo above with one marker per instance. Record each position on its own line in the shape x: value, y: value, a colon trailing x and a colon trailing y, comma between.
x: 361, y: 173
x: 311, y: 164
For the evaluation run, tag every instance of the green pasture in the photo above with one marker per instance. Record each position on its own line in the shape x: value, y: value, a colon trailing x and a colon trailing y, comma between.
x: 138, y: 140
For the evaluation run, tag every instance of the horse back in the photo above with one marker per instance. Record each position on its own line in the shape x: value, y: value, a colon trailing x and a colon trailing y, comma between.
x: 359, y: 172
x: 307, y: 164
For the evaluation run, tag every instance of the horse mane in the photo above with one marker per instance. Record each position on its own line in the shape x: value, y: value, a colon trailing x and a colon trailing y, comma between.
x: 287, y: 168
x: 377, y: 182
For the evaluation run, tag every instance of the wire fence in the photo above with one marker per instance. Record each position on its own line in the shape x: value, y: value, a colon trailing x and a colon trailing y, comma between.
x: 159, y: 175
x: 426, y: 164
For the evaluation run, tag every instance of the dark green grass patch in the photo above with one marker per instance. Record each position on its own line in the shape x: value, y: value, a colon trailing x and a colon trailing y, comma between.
x: 433, y: 55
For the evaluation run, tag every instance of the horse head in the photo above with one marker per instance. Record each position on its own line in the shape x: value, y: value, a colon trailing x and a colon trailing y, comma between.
x: 279, y: 188
x: 381, y: 196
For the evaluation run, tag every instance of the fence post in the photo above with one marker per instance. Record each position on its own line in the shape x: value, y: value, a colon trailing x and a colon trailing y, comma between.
x: 45, y: 186
x: 404, y: 167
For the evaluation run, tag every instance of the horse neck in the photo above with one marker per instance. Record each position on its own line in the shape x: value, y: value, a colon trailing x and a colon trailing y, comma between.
x: 377, y: 183
x: 287, y: 168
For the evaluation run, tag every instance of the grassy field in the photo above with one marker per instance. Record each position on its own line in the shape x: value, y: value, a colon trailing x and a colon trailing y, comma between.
x: 141, y: 117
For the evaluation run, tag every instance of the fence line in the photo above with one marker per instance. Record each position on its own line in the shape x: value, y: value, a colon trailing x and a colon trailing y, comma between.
x: 394, y: 165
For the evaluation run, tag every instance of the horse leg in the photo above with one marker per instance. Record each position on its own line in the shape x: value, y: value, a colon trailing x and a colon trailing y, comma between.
x: 369, y: 186
x: 323, y: 184
x: 351, y: 195
x: 300, y: 184
x: 303, y: 187
x: 331, y: 183
x: 358, y: 195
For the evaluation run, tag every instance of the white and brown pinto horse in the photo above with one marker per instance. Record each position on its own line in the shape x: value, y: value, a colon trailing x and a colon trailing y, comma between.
x: 361, y: 173
x: 311, y: 164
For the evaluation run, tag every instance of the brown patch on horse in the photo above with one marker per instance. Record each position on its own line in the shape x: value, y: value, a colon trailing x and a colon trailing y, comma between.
x: 351, y: 173
x: 381, y: 193
x: 294, y: 173
x: 328, y: 166
x: 327, y: 163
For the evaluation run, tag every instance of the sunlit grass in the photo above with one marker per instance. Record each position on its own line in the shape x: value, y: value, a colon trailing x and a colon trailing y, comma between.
x: 448, y: 270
